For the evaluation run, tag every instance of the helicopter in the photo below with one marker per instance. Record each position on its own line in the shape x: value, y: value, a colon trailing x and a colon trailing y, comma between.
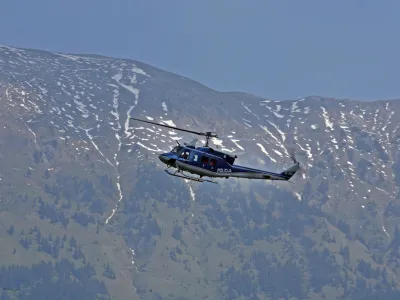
x: 208, y: 162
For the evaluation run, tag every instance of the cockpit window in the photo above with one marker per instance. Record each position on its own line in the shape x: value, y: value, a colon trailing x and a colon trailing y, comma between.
x: 176, y: 149
x: 185, y: 154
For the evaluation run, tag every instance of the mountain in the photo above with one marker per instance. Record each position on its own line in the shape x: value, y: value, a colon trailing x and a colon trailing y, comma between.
x: 87, y: 211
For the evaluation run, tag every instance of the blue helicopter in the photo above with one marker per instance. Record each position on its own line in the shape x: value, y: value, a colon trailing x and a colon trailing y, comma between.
x: 207, y: 162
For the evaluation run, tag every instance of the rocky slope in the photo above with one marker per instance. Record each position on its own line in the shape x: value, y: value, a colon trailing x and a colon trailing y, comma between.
x: 87, y: 209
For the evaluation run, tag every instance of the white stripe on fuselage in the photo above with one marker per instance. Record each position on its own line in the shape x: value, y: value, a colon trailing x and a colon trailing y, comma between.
x: 203, y: 172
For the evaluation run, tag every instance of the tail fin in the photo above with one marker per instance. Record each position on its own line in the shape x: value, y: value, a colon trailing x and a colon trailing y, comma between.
x: 288, y: 173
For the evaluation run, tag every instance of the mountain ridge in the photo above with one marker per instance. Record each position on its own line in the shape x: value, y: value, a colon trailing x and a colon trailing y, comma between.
x: 159, y: 69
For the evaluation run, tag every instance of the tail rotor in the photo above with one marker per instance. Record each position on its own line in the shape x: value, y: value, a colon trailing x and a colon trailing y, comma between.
x: 292, y: 155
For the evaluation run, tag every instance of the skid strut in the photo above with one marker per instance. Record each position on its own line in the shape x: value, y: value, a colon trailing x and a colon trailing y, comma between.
x: 179, y: 173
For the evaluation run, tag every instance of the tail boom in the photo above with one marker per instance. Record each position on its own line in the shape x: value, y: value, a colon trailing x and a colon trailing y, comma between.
x: 238, y: 172
x: 244, y: 172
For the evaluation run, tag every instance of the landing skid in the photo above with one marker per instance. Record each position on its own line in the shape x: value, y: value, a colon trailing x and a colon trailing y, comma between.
x: 178, y: 173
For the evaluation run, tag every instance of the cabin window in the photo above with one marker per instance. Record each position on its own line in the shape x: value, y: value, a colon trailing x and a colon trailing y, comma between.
x: 195, y: 157
x: 213, y: 162
x: 204, y: 160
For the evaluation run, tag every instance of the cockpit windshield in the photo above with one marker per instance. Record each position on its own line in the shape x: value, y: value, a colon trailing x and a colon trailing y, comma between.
x: 176, y: 149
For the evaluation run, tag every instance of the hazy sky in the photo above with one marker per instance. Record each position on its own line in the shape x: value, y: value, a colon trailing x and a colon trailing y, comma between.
x: 275, y: 49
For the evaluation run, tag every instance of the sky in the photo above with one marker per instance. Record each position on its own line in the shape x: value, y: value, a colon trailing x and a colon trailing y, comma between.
x: 277, y: 49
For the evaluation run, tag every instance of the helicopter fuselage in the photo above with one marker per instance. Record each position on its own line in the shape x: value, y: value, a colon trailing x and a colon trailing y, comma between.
x: 205, y: 161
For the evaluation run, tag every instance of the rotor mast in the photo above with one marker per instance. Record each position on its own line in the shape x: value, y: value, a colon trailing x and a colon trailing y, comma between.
x: 209, y: 135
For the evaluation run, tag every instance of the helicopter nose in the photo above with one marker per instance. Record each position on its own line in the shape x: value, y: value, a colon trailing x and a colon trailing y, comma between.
x: 163, y: 158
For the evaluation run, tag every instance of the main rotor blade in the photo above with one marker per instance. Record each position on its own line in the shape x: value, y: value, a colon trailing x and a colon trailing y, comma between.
x: 230, y: 137
x: 172, y: 127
